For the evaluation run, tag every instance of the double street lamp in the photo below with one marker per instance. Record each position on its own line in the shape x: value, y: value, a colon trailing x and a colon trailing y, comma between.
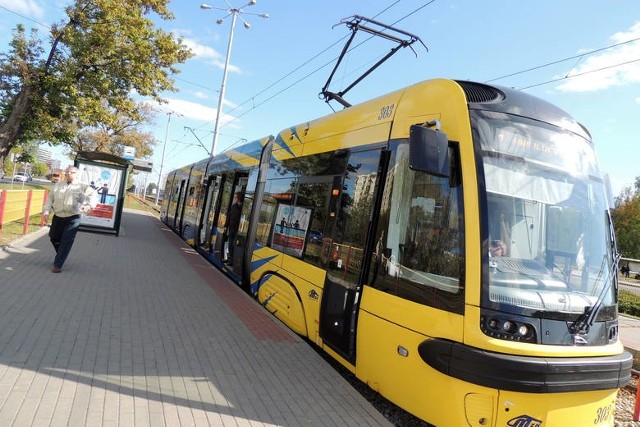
x: 234, y: 13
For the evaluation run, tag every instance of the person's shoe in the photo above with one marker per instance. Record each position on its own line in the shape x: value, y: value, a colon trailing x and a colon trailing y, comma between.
x: 56, y: 269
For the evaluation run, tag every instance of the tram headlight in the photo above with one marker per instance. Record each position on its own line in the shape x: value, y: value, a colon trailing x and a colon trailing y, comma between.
x: 523, y: 330
x: 507, y: 328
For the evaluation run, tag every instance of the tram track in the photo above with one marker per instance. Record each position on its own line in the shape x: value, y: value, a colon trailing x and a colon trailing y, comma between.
x: 625, y: 403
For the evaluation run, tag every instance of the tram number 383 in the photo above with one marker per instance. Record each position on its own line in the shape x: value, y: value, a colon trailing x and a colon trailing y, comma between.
x: 603, y: 414
x: 386, y: 112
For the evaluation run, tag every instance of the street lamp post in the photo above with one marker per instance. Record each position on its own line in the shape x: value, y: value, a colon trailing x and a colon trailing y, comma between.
x: 164, y: 149
x: 234, y: 13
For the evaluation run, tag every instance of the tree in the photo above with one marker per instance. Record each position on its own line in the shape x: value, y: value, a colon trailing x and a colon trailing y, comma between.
x: 106, y: 52
x: 39, y: 169
x: 113, y: 137
x: 626, y: 221
x: 22, y: 160
x: 151, y: 188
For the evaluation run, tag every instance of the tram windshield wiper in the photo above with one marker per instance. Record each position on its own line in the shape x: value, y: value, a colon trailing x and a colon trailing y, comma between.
x: 585, y: 320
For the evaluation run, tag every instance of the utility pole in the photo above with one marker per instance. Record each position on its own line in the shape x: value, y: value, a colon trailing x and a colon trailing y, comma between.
x: 164, y: 149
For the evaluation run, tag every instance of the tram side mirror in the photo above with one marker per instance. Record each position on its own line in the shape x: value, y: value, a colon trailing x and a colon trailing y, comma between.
x: 428, y: 151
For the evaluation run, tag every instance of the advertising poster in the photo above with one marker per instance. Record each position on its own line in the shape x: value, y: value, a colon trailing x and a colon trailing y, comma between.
x: 290, y: 230
x: 107, y: 183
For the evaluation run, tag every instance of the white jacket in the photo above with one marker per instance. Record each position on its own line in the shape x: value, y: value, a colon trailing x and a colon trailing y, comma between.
x: 67, y: 199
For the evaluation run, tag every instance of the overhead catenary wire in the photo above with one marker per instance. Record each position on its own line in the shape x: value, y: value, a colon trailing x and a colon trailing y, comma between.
x: 548, y: 64
x: 25, y: 17
x: 197, y: 84
x: 581, y: 74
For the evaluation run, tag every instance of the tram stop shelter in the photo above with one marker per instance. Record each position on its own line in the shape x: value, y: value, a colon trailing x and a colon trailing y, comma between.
x: 108, y: 175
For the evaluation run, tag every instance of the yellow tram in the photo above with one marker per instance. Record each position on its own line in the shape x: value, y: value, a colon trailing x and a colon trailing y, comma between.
x: 449, y: 243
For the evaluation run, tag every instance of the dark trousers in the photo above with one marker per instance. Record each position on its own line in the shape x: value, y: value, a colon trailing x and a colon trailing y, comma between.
x: 231, y: 239
x: 62, y: 234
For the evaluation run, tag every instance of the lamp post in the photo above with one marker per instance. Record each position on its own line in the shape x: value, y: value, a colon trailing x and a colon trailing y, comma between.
x: 164, y: 149
x: 234, y: 13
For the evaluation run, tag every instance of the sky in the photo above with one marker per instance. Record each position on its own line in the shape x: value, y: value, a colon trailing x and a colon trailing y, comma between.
x: 582, y: 55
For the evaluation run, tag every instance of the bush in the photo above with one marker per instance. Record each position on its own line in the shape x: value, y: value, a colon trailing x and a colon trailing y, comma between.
x: 629, y: 303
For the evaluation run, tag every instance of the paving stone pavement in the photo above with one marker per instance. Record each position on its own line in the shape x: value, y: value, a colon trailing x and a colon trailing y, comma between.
x: 138, y: 330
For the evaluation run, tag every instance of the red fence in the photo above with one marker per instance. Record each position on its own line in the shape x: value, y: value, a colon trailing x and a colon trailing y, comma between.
x: 16, y: 205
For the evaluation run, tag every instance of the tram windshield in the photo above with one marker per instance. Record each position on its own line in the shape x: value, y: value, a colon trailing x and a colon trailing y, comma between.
x: 549, y: 242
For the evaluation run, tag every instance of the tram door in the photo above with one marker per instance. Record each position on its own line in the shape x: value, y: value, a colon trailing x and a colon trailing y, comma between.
x: 345, y: 251
x: 218, y: 237
x: 177, y: 214
x: 207, y: 230
x: 180, y: 206
x: 229, y: 251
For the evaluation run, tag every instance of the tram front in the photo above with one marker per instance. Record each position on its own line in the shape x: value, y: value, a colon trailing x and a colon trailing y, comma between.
x: 548, y: 304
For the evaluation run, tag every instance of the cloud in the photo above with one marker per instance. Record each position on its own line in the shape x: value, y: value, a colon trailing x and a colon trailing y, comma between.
x: 201, y: 51
x: 604, y: 69
x: 200, y: 94
x: 208, y: 55
x: 194, y: 111
x: 25, y: 7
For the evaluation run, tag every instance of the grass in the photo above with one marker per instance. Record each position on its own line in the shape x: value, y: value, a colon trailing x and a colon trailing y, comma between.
x: 27, y: 186
x: 13, y: 230
x: 133, y: 201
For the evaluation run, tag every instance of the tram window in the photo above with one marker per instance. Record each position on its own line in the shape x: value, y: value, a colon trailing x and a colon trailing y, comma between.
x: 225, y: 202
x: 323, y: 164
x: 350, y: 224
x: 265, y: 219
x: 292, y: 217
x: 316, y: 197
x: 420, y: 250
x: 176, y: 194
x: 295, y: 208
x: 277, y: 192
x: 191, y: 199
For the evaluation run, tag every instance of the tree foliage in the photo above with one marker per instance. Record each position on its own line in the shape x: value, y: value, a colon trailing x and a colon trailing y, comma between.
x: 100, y: 60
x: 626, y: 220
x: 39, y: 169
x: 111, y: 138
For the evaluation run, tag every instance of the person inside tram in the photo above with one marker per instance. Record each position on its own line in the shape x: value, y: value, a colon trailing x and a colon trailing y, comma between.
x: 499, y: 228
x: 233, y: 223
x: 497, y: 247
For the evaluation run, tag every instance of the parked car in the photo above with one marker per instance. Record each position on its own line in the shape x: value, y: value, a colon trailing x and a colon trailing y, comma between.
x: 22, y: 176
